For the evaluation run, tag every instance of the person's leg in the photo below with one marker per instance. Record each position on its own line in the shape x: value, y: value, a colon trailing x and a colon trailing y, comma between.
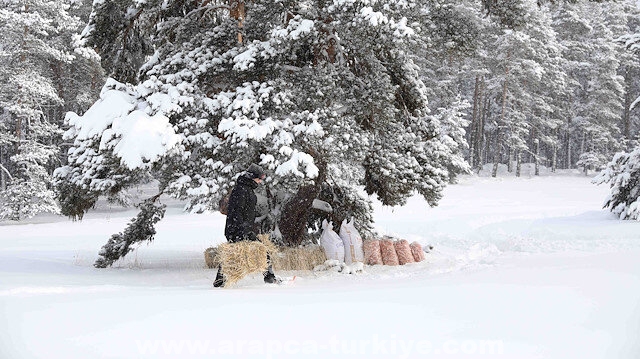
x: 219, y: 282
x: 269, y: 276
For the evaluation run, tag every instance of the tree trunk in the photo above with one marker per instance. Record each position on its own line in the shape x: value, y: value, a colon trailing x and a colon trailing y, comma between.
x: 485, y: 144
x: 502, y: 116
x: 56, y: 70
x: 518, y: 162
x: 510, y: 161
x: 3, y: 176
x: 554, y: 159
x: 554, y: 155
x: 237, y: 11
x: 568, y: 141
x: 626, y: 114
x: 537, y: 157
x: 293, y: 222
x: 496, y: 154
x: 568, y: 138
x: 475, y: 126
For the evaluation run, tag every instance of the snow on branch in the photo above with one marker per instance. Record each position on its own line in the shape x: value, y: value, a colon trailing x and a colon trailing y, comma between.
x: 634, y: 104
x: 297, y: 158
x: 6, y: 171
x: 122, y: 124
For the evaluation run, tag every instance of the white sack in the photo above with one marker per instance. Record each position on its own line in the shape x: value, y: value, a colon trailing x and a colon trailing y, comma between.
x: 353, y: 249
x: 331, y: 242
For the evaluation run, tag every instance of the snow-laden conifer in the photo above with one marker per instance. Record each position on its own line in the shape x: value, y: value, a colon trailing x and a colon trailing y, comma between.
x: 623, y: 176
x: 32, y: 47
x: 324, y: 95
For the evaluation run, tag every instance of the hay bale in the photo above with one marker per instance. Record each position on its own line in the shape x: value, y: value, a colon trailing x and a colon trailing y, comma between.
x: 372, y: 255
x: 403, y: 250
x: 299, y: 258
x: 271, y: 248
x: 243, y: 258
x: 210, y: 257
x: 240, y: 259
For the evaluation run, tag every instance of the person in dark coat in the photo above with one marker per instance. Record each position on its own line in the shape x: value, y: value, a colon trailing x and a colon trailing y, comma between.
x: 241, y: 215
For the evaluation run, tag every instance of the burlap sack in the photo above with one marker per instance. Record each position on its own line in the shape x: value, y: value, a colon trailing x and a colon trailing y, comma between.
x: 403, y: 250
x: 388, y: 251
x: 372, y: 255
x: 418, y: 253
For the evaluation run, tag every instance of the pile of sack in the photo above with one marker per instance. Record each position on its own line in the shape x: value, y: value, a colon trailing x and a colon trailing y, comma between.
x: 348, y: 247
x: 392, y: 252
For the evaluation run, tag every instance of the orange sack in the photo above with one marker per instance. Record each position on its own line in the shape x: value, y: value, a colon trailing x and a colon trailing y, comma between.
x: 372, y: 255
x: 418, y: 253
x: 388, y: 250
x: 403, y: 250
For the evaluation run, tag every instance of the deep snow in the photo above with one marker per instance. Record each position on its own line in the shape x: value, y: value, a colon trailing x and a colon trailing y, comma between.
x: 522, y: 268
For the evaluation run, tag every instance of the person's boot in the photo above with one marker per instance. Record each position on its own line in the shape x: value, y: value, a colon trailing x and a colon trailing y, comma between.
x: 269, y: 277
x: 220, y: 281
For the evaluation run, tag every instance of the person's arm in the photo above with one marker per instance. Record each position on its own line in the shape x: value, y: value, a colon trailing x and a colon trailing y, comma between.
x: 248, y: 217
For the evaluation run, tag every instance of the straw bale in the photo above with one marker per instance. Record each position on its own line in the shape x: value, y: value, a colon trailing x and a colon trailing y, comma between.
x: 210, y: 257
x: 246, y: 257
x: 372, y: 253
x: 388, y: 250
x: 403, y: 250
x: 418, y: 253
x: 240, y: 259
x: 271, y: 248
x: 298, y: 258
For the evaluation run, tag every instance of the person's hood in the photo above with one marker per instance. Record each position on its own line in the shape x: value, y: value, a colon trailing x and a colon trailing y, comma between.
x: 246, y: 180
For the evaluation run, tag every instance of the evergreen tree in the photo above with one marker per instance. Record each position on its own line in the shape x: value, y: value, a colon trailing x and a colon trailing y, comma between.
x: 325, y: 96
x: 526, y: 75
x: 31, y: 44
x: 623, y: 176
x: 625, y: 20
x: 595, y: 88
x: 452, y: 62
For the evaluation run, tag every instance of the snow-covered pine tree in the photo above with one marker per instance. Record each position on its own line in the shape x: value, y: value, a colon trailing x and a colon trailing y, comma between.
x: 624, y: 19
x: 31, y: 30
x: 623, y: 176
x: 323, y: 94
x: 595, y: 88
x: 117, y: 29
x: 631, y: 42
x: 546, y: 82
x: 602, y: 111
x: 451, y: 63
x: 77, y: 82
x: 526, y: 74
x: 573, y: 29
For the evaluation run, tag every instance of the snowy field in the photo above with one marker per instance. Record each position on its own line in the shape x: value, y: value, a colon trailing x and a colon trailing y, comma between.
x: 522, y: 268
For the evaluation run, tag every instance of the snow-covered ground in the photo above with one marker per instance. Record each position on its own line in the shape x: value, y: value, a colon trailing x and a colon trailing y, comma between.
x: 522, y: 268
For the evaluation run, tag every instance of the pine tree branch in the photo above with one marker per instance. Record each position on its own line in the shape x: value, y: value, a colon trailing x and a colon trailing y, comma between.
x: 5, y: 170
x: 140, y: 229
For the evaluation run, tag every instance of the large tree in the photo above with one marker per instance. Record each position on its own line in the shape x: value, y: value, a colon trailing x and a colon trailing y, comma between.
x: 325, y: 95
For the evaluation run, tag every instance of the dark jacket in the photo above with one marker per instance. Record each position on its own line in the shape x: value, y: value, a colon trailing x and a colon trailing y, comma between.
x: 241, y: 213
